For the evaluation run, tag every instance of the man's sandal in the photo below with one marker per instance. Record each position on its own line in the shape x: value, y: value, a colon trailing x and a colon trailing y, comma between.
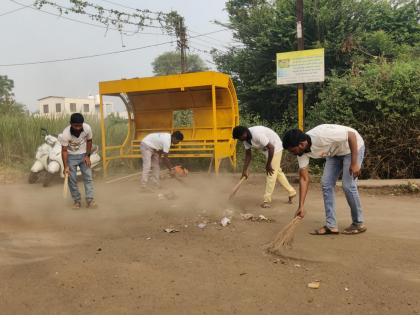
x: 76, y: 205
x: 325, y: 230
x: 291, y: 198
x: 265, y: 205
x: 354, y: 229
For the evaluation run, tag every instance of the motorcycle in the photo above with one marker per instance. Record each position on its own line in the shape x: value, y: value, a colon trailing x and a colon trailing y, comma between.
x: 41, y: 157
x: 50, y: 162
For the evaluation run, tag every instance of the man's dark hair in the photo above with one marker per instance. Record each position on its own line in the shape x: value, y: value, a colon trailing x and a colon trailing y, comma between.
x: 238, y: 131
x: 178, y: 135
x: 293, y: 137
x: 77, y: 118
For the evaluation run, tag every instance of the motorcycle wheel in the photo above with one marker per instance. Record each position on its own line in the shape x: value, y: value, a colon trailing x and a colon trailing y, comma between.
x: 33, y: 177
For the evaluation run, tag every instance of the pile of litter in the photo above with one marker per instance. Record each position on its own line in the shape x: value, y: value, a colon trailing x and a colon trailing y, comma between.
x: 251, y: 217
x: 169, y: 196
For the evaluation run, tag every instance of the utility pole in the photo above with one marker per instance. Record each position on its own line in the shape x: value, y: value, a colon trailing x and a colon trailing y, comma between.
x: 299, y: 33
x: 182, y: 44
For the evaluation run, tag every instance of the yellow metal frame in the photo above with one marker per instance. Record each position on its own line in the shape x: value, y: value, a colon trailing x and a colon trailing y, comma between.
x: 150, y: 103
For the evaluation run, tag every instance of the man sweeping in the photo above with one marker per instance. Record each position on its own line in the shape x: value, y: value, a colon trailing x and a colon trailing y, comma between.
x: 76, y: 146
x: 343, y: 148
x: 155, y: 146
x: 266, y: 140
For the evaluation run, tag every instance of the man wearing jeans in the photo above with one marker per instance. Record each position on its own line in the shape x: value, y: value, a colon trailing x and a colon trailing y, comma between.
x: 343, y: 148
x: 76, y: 146
x: 153, y: 147
x: 266, y: 140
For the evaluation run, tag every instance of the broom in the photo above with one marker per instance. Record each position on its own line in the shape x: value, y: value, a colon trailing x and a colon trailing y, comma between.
x: 284, y: 238
x: 65, y: 186
x: 236, y: 188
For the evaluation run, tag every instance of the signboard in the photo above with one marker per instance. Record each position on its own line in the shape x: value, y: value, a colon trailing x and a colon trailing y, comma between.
x: 302, y: 66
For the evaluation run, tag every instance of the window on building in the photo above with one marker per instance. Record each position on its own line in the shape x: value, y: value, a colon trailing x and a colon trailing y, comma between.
x: 72, y: 107
x: 96, y: 108
x: 45, y: 109
x: 58, y: 108
x: 86, y: 108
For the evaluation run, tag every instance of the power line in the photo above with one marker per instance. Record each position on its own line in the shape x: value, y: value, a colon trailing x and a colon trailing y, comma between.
x: 84, y: 57
x: 83, y: 22
x: 209, y: 44
x: 200, y: 50
x: 204, y: 52
x: 206, y: 47
x: 97, y: 55
x: 209, y: 37
x: 224, y: 44
x: 15, y: 10
x: 202, y: 45
x: 111, y: 11
x: 126, y: 7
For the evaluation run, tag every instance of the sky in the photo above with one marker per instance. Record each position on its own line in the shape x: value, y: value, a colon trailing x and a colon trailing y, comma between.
x: 29, y: 35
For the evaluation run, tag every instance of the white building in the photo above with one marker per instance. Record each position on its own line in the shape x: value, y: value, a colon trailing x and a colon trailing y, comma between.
x: 53, y: 106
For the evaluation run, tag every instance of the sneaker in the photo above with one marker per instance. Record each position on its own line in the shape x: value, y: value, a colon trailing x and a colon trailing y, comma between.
x: 76, y: 205
x: 91, y: 204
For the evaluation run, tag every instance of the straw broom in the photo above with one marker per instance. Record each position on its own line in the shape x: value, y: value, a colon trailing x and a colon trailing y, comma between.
x: 284, y: 238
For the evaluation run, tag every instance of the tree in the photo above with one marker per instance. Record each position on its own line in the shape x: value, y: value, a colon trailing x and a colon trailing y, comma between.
x: 349, y: 30
x: 372, y: 72
x: 382, y: 101
x: 8, y: 105
x: 168, y: 63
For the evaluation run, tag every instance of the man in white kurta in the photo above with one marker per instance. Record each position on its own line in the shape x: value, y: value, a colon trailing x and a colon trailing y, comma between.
x: 269, y: 143
x: 343, y: 148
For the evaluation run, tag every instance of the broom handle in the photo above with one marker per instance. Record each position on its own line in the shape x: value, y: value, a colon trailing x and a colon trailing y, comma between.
x: 122, y: 178
x: 236, y: 188
x: 65, y: 185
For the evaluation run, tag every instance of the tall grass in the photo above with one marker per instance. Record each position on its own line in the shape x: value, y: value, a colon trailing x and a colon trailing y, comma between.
x: 20, y: 135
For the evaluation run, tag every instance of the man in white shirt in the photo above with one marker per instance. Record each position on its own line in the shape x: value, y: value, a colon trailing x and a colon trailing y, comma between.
x: 343, y: 148
x: 76, y: 147
x: 266, y: 140
x: 153, y: 147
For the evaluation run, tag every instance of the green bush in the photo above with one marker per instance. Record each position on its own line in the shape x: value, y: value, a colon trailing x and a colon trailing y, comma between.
x: 382, y: 101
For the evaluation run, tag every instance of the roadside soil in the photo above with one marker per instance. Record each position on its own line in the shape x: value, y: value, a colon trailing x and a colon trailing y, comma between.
x: 118, y: 260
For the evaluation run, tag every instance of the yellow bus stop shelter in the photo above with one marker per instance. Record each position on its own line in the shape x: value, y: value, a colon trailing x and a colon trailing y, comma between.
x: 151, y: 102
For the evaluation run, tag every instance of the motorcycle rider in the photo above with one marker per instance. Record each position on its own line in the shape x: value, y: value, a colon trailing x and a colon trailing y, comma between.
x: 76, y: 147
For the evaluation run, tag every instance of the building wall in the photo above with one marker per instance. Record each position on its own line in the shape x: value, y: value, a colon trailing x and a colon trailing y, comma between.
x: 47, y: 106
x: 86, y: 106
x: 79, y: 105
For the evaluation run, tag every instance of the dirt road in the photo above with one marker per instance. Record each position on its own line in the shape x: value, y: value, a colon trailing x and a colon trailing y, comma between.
x: 117, y: 259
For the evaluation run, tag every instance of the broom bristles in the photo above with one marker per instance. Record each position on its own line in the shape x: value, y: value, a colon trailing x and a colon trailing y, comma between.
x: 284, y: 238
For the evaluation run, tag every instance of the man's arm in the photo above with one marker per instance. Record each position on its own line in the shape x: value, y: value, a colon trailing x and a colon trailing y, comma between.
x: 354, y: 167
x: 64, y: 156
x: 303, y: 190
x: 166, y: 161
x: 88, y: 152
x: 248, y: 158
x: 268, y: 168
